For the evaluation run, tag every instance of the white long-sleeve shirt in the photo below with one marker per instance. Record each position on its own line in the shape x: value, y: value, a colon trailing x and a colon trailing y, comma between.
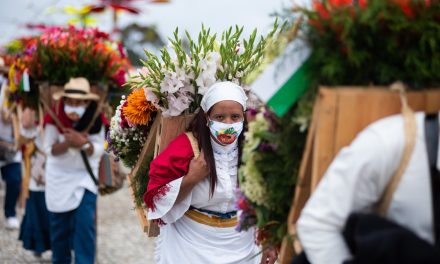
x: 66, y: 175
x: 355, y: 181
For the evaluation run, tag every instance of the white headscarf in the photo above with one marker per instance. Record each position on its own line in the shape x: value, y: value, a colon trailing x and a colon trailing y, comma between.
x: 222, y: 91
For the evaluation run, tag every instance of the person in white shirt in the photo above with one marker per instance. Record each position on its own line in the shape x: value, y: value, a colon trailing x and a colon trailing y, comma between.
x: 10, y: 165
x: 34, y: 228
x: 355, y: 182
x: 70, y: 191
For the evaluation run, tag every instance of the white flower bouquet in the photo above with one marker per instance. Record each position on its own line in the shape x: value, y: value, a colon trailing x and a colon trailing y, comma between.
x: 176, y: 81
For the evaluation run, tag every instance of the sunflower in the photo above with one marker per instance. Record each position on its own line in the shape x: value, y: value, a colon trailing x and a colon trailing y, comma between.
x: 138, y: 110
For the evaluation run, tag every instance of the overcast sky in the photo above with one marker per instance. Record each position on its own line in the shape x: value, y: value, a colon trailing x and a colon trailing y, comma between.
x: 187, y: 14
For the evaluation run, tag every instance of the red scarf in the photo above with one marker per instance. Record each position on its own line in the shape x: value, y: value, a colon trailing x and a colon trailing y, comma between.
x: 170, y: 165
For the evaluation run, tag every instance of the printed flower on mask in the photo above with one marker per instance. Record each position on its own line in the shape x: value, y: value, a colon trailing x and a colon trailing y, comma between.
x: 225, y: 133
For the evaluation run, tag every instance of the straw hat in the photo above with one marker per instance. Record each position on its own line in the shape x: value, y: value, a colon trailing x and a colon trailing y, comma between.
x: 76, y: 88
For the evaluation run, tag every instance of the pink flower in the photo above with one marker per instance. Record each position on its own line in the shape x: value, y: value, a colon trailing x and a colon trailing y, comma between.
x: 119, y: 77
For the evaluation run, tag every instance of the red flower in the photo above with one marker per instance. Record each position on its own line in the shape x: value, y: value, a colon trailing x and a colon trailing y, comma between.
x: 363, y: 4
x: 321, y: 9
x: 405, y: 5
x: 119, y: 77
x: 243, y: 204
x: 315, y: 23
x: 340, y: 3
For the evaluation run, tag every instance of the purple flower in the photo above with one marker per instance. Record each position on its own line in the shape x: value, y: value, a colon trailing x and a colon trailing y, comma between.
x: 247, y: 212
x: 267, y: 147
x: 252, y: 112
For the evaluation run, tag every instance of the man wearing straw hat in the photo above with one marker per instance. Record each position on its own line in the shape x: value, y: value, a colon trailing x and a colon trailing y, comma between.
x: 70, y: 191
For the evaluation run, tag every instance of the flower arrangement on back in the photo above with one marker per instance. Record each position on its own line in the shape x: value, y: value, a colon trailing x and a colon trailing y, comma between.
x: 176, y: 81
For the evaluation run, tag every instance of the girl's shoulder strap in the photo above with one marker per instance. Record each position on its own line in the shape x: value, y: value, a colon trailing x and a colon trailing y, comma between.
x: 194, y: 144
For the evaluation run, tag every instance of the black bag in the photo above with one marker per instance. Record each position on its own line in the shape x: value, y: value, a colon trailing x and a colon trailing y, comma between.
x: 375, y: 239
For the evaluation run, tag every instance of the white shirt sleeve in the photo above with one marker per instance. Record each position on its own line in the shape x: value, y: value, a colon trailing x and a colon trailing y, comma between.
x: 353, y: 182
x: 97, y: 141
x: 51, y: 135
x: 166, y: 207
x: 29, y: 132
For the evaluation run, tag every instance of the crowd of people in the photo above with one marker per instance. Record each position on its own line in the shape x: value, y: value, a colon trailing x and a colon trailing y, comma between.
x: 201, y: 166
x: 60, y: 210
x: 377, y: 203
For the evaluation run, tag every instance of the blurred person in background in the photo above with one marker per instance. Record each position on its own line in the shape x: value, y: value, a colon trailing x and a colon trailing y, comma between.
x: 340, y: 222
x: 34, y: 229
x: 71, y: 193
x: 10, y: 166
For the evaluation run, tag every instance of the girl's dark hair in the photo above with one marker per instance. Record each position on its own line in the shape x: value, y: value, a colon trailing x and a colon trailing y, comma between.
x: 199, y: 128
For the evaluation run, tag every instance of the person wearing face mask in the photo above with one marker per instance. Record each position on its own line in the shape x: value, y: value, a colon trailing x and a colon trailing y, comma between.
x: 193, y: 197
x: 70, y: 191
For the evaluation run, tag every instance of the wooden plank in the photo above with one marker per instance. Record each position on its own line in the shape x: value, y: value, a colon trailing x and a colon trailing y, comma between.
x: 171, y: 127
x: 286, y: 251
x: 148, y: 147
x: 325, y: 133
x: 145, y: 152
x: 432, y: 103
x: 302, y: 192
x: 142, y: 215
x: 303, y: 186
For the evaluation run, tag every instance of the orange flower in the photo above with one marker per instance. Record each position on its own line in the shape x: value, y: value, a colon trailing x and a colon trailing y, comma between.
x: 138, y: 110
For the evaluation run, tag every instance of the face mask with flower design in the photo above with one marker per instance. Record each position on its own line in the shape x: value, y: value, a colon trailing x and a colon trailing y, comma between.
x: 224, y: 133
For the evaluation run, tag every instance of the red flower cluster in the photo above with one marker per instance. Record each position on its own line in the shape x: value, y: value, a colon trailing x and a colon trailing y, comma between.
x: 324, y: 8
x: 408, y: 6
x: 60, y: 53
x: 327, y: 15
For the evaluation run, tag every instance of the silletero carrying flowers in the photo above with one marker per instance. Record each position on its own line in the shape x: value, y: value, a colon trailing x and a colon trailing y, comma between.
x: 205, y: 80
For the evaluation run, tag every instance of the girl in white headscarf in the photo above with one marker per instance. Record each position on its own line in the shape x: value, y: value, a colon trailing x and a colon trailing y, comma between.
x: 193, y: 197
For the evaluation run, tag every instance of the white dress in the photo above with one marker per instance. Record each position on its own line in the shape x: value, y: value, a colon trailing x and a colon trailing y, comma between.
x: 183, y: 240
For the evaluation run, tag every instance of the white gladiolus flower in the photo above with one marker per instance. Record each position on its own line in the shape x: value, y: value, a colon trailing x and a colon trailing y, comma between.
x: 171, y: 83
x: 177, y: 104
x: 204, y: 81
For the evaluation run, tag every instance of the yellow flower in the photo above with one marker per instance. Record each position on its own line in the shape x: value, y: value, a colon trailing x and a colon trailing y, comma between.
x: 138, y: 110
x: 11, y: 75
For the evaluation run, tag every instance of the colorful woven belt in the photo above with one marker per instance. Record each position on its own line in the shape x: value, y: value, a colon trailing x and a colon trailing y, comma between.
x: 211, y: 220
